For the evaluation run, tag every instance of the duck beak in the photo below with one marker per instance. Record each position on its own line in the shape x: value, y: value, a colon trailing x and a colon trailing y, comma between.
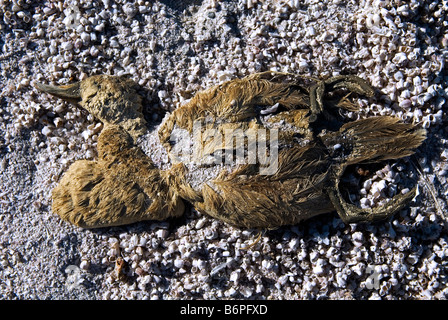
x: 69, y: 92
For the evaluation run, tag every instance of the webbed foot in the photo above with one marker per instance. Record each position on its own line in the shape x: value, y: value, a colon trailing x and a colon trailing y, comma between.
x: 350, y: 213
x: 370, y: 140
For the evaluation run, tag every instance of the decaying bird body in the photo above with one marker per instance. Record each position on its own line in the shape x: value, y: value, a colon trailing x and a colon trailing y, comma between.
x: 274, y: 146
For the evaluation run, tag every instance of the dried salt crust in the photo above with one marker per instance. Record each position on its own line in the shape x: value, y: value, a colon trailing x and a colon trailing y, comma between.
x: 398, y: 46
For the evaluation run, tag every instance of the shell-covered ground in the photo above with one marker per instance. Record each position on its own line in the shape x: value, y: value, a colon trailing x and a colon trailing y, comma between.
x: 172, y: 49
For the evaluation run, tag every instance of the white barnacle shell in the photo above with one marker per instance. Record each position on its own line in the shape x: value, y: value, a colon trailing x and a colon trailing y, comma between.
x: 85, y: 36
x: 400, y: 84
x: 405, y: 190
x: 433, y: 90
x: 400, y: 58
x: 235, y: 275
x: 341, y: 279
x: 373, y: 20
x: 398, y: 75
x: 375, y: 51
x: 417, y: 81
x: 282, y: 280
x: 437, y: 117
x: 363, y: 53
x: 422, y: 98
x: 179, y: 263
x: 162, y: 94
x: 375, y: 108
x: 384, y: 288
x: 68, y: 56
x: 139, y: 250
x: 78, y: 43
x: 318, y: 268
x: 387, y: 170
x: 133, y: 241
x: 365, y: 203
x: 418, y: 114
x: 67, y: 45
x: 200, y: 223
x: 303, y: 64
x: 327, y: 37
x: 377, y: 188
x: 310, y: 31
x: 403, y: 10
x: 358, y: 237
x: 417, y: 90
x: 267, y: 264
x: 432, y: 118
x: 162, y: 233
x: 294, y: 4
x: 390, y: 23
x: 406, y: 49
x: 367, y: 184
x: 84, y: 265
x: 425, y: 72
x: 426, y: 123
x: 135, y: 258
x: 405, y: 104
x: 47, y: 130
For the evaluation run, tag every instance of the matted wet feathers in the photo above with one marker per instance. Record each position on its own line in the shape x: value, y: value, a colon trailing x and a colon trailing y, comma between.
x: 123, y: 186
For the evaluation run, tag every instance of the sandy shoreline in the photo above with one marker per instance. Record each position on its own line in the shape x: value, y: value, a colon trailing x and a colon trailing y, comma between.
x: 172, y: 49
